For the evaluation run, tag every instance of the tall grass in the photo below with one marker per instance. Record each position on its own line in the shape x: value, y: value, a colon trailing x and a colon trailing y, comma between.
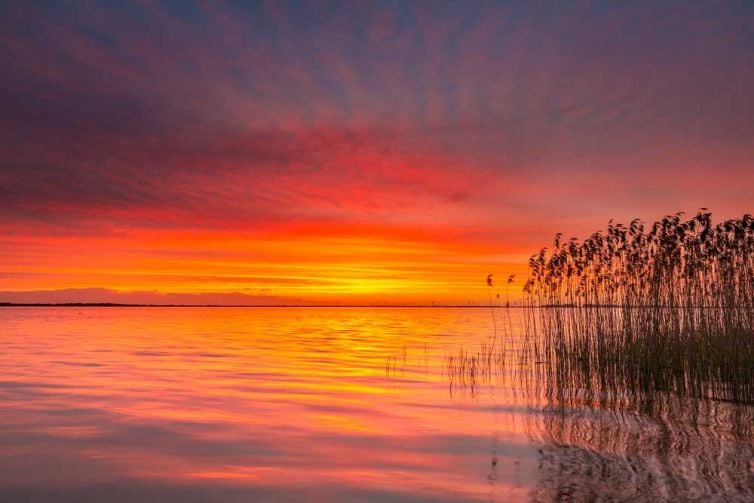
x: 636, y: 352
x: 664, y: 308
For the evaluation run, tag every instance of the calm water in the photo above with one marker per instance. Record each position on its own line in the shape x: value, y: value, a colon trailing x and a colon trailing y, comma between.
x: 311, y: 404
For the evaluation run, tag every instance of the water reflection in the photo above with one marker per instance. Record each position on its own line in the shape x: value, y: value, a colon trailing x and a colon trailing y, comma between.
x: 234, y: 404
x: 666, y: 448
x: 610, y: 436
x: 336, y: 405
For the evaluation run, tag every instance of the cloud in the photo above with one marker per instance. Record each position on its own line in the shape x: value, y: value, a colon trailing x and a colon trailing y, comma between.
x: 486, y: 124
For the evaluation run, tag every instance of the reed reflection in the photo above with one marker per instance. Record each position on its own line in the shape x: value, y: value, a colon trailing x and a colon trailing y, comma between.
x: 642, y: 446
x: 611, y: 440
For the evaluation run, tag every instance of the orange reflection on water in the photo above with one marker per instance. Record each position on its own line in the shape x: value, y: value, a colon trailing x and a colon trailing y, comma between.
x: 302, y: 403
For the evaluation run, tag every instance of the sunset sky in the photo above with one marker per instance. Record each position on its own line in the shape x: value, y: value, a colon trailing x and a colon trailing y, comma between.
x: 356, y: 152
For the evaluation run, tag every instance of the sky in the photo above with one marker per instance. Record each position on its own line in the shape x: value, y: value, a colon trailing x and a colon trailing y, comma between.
x: 354, y: 152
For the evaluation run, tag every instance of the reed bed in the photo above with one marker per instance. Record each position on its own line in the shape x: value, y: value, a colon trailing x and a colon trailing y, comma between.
x: 635, y: 350
x: 467, y: 370
x: 636, y: 309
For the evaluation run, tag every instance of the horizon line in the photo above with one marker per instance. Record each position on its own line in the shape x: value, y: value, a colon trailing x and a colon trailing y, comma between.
x: 114, y: 304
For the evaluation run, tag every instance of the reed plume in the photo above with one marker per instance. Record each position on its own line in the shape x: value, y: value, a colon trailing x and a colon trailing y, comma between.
x: 669, y: 307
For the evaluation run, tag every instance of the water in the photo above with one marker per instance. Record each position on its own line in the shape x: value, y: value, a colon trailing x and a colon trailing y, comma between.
x: 315, y: 404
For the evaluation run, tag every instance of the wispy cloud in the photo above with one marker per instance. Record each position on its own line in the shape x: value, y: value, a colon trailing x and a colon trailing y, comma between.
x: 479, y: 124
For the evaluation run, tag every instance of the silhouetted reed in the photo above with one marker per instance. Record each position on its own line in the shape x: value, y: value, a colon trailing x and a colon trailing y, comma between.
x: 467, y: 370
x: 635, y: 351
x: 670, y: 308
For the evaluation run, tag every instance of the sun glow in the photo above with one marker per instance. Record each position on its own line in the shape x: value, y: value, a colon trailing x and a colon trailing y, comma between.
x: 280, y: 270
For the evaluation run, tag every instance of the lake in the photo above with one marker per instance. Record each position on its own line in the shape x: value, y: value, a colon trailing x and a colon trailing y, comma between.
x: 330, y: 404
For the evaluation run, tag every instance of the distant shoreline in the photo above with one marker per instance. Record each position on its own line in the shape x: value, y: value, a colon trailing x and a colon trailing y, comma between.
x: 109, y: 304
x: 356, y: 306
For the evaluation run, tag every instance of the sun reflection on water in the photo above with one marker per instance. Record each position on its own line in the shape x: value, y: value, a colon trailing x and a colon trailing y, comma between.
x: 329, y: 404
